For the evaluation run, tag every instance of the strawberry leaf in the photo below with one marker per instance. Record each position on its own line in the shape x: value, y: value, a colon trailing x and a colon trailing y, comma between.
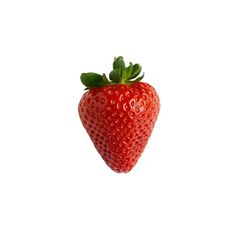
x: 139, y: 78
x: 126, y: 73
x: 135, y: 71
x: 119, y: 74
x: 92, y: 79
x: 118, y: 63
x: 115, y: 75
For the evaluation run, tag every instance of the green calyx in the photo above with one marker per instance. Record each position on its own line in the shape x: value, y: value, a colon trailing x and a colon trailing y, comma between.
x: 119, y: 75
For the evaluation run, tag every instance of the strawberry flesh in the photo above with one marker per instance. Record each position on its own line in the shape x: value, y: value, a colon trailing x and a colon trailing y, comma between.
x: 119, y: 119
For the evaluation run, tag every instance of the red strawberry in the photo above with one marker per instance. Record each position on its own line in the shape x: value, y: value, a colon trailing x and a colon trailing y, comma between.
x: 119, y: 114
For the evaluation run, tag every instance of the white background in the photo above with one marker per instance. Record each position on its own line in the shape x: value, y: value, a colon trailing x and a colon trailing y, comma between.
x: 53, y: 182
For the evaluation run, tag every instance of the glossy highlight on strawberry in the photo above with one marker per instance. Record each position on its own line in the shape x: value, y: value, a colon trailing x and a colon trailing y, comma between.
x: 119, y: 115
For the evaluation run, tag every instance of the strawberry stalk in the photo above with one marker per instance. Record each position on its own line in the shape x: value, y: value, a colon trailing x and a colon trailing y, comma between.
x: 119, y: 75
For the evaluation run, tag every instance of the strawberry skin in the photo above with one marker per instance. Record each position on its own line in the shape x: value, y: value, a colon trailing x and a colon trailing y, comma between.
x: 119, y: 119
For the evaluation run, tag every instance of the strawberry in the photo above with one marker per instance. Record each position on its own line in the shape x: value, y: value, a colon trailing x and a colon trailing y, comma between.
x: 119, y: 114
